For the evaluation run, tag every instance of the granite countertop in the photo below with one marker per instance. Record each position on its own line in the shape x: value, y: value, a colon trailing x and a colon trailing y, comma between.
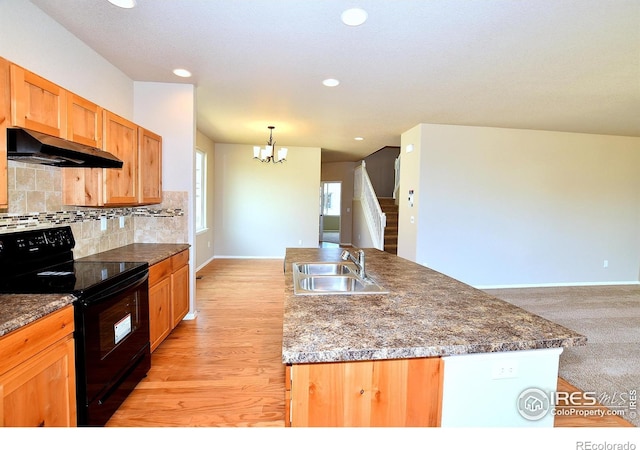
x: 425, y: 314
x: 151, y: 253
x: 17, y: 310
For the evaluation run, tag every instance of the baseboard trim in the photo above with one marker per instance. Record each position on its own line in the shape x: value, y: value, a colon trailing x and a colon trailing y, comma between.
x: 542, y: 285
x: 201, y: 266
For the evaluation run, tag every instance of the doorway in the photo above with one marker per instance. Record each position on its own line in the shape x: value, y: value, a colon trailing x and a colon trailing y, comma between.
x: 330, y: 204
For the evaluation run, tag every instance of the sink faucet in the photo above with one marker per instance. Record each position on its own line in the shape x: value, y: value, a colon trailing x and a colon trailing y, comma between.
x: 358, y: 262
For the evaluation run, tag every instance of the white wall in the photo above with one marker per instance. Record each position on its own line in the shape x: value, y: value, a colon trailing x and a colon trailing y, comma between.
x: 410, y: 178
x: 204, y: 247
x: 168, y: 109
x: 33, y: 40
x: 521, y: 207
x: 261, y: 209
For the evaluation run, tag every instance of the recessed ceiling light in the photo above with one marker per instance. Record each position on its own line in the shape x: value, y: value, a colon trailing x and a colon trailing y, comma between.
x: 123, y: 3
x: 354, y: 17
x: 358, y: 138
x: 184, y: 73
x: 331, y: 82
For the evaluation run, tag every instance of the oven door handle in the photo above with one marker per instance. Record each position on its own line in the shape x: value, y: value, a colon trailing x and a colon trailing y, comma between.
x: 125, y: 285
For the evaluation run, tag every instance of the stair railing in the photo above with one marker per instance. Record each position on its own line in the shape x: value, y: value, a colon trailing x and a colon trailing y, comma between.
x: 376, y: 219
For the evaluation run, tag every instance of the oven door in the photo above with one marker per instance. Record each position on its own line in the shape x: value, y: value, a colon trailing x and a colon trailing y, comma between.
x: 112, y: 347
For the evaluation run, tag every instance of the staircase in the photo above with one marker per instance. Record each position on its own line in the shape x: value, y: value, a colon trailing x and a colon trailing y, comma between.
x: 390, y: 209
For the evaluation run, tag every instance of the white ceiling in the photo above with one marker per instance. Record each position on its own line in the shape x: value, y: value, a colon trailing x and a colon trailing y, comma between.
x: 567, y: 65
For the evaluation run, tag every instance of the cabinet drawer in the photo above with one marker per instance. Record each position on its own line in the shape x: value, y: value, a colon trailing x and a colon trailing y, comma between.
x: 180, y: 260
x: 25, y: 342
x: 159, y: 271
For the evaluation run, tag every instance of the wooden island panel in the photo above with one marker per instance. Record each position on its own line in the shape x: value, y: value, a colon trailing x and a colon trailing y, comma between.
x: 390, y: 393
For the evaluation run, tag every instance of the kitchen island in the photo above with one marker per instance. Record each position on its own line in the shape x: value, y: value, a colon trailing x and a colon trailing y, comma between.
x: 435, y: 351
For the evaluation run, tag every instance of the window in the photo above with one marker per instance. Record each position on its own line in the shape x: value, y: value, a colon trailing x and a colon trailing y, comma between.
x: 200, y: 191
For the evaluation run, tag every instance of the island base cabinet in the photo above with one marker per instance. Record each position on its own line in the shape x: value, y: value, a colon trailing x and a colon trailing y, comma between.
x: 384, y: 393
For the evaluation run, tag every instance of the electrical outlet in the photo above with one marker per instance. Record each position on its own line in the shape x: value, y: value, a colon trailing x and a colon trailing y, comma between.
x: 605, y: 263
x: 121, y: 221
x: 506, y: 368
x: 103, y: 224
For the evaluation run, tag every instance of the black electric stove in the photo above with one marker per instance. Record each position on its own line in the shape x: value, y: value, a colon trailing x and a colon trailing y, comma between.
x: 41, y: 261
x: 111, y: 313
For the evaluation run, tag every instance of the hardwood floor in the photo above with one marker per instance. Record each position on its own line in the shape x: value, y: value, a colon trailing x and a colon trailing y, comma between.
x: 224, y: 368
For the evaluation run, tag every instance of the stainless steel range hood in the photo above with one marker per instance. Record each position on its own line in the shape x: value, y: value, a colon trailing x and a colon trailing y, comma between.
x: 38, y: 148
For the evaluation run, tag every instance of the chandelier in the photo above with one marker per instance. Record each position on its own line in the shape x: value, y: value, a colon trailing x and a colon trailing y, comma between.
x: 268, y: 154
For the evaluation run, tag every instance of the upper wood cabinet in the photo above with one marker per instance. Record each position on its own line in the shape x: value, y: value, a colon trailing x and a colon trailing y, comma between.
x: 32, y: 102
x: 139, y: 182
x: 150, y: 167
x: 121, y: 140
x: 84, y: 121
x: 37, y: 104
x: 5, y: 117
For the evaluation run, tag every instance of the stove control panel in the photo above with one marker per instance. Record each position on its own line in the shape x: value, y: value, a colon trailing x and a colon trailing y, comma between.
x: 23, y: 246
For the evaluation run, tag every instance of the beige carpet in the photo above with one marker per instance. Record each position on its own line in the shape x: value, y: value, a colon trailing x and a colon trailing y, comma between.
x: 609, y: 316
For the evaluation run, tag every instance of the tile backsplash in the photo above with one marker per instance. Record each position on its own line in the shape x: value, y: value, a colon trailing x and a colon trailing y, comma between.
x: 35, y: 201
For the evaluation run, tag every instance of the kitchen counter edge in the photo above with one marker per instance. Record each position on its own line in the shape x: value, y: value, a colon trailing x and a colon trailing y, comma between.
x: 426, y: 314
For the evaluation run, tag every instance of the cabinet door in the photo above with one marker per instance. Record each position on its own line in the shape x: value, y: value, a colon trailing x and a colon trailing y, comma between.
x: 83, y: 187
x: 387, y: 393
x: 159, y: 311
x: 41, y: 391
x: 120, y: 139
x: 5, y: 118
x: 150, y: 167
x: 37, y: 104
x: 84, y: 121
x: 180, y: 292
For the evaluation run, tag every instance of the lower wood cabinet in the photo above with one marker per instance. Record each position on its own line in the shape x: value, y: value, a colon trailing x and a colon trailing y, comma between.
x: 168, y: 296
x: 37, y: 373
x: 384, y: 393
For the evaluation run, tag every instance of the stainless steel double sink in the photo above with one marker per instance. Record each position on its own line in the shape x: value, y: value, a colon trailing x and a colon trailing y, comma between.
x: 331, y: 278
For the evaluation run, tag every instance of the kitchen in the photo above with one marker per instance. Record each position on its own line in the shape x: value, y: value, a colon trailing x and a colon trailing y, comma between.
x: 166, y: 108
